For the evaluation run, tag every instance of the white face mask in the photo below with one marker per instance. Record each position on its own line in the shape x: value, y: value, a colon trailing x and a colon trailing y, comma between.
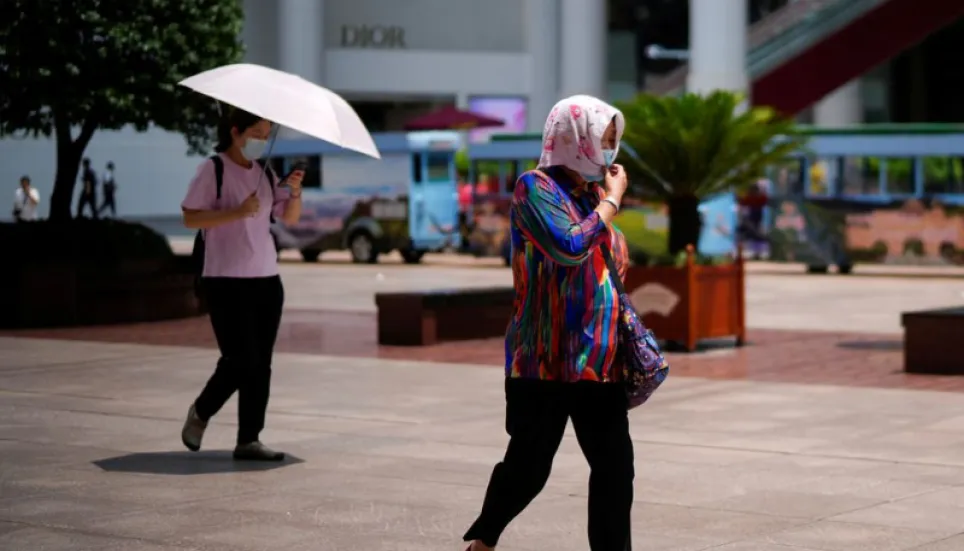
x: 254, y: 148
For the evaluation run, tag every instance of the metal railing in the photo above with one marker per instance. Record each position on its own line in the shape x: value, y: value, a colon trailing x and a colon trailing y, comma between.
x: 781, y: 35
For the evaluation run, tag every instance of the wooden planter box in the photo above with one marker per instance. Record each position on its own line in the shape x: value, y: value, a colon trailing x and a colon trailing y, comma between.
x: 422, y: 318
x: 932, y: 341
x: 692, y: 303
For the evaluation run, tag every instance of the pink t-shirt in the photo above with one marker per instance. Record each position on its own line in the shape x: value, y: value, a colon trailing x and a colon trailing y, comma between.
x: 243, y: 248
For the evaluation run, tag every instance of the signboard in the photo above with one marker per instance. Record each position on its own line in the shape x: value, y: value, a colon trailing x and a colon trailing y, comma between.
x: 373, y: 36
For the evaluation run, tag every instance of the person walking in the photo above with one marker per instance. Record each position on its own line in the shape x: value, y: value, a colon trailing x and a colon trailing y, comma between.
x: 88, y: 190
x: 561, y: 340
x: 240, y: 276
x: 110, y: 188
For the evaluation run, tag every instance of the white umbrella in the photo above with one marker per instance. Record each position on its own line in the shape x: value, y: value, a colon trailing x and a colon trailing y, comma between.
x: 288, y: 100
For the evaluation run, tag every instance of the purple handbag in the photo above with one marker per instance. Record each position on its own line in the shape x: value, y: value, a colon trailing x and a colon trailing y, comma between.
x: 644, y: 367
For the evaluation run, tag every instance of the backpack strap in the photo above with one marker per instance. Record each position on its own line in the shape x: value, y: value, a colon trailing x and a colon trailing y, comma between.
x: 218, y: 174
x: 270, y: 173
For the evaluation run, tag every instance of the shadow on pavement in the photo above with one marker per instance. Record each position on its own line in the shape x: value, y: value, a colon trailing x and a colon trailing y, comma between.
x: 188, y: 463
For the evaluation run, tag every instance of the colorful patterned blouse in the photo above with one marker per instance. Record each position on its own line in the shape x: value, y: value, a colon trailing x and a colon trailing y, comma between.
x: 563, y: 326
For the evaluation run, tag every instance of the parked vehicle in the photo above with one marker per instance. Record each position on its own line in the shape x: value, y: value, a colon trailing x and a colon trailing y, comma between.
x: 406, y: 201
x: 890, y: 193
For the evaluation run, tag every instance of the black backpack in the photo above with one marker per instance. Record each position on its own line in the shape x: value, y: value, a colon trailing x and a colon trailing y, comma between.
x: 197, y: 253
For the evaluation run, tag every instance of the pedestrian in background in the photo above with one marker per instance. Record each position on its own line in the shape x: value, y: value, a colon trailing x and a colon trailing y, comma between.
x: 110, y: 188
x: 26, y: 199
x: 88, y: 190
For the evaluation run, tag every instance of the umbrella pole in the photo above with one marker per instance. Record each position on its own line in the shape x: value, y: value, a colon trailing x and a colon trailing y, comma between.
x: 273, y: 139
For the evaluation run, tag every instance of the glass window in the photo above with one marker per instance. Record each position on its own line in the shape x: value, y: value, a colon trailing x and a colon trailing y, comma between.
x: 900, y: 176
x: 823, y: 176
x: 283, y: 165
x: 312, y: 171
x: 943, y: 174
x: 786, y: 179
x: 417, y: 168
x: 859, y: 176
x: 439, y: 167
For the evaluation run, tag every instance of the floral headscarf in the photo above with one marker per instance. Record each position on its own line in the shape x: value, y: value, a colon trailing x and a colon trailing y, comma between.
x: 573, y: 134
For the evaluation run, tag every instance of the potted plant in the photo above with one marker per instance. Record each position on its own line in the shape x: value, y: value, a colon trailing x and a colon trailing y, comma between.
x: 685, y: 150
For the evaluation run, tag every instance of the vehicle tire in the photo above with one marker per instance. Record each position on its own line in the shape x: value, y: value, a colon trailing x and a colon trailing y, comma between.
x: 412, y: 256
x: 845, y: 269
x: 362, y: 248
x: 310, y: 255
x: 817, y: 269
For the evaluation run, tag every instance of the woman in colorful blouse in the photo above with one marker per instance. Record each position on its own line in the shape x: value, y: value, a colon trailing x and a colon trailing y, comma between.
x: 561, y: 342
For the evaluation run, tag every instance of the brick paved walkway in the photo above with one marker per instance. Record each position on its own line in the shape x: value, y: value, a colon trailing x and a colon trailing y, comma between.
x: 833, y: 358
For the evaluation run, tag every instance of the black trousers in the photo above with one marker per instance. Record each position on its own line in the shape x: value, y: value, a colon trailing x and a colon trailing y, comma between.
x: 87, y: 199
x: 536, y: 416
x: 245, y: 315
x: 109, y: 202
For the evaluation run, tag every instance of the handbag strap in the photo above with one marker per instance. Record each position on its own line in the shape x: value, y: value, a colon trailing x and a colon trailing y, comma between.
x: 613, y: 271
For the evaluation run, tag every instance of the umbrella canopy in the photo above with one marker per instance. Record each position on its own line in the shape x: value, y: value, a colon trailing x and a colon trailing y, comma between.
x: 450, y: 118
x: 288, y: 100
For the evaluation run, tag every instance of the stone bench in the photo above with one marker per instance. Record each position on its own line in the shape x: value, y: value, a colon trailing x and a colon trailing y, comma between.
x: 420, y: 318
x: 934, y: 341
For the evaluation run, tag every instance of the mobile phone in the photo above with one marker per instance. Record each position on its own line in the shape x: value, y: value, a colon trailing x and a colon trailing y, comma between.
x: 295, y: 167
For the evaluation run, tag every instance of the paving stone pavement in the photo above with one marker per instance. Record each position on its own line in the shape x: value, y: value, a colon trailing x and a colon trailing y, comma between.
x: 395, y: 455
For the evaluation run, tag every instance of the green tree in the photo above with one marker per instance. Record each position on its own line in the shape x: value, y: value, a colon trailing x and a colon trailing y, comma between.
x: 68, y: 69
x: 690, y: 147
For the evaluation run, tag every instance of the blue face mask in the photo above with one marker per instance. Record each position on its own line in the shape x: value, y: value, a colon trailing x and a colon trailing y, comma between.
x: 254, y: 148
x: 609, y: 156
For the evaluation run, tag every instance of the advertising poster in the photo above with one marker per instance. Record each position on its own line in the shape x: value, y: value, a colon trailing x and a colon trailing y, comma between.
x: 511, y: 110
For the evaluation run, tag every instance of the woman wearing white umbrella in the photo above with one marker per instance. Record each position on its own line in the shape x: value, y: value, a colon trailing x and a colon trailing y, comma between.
x: 240, y: 276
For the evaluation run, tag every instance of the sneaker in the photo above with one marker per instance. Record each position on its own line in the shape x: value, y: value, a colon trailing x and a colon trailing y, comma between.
x: 256, y: 451
x: 193, y: 430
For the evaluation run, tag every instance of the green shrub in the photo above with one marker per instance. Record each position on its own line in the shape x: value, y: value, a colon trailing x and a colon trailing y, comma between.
x: 914, y: 246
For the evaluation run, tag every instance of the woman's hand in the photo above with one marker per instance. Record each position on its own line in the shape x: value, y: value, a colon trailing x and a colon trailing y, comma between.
x: 292, y: 212
x: 250, y: 206
x: 294, y: 183
x: 616, y: 182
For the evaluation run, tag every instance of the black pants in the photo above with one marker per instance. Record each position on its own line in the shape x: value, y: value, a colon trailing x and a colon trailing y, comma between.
x: 87, y: 199
x: 110, y: 203
x: 245, y: 314
x: 536, y: 416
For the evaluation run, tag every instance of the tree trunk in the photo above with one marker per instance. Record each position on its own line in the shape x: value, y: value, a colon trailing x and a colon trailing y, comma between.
x: 69, y: 153
x: 685, y: 223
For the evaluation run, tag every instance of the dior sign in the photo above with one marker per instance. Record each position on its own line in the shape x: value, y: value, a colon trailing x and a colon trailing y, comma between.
x: 372, y: 36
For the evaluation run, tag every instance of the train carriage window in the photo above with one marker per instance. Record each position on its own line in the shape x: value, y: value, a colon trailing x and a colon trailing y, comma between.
x: 439, y: 167
x: 785, y: 178
x: 417, y: 168
x: 824, y: 173
x: 900, y: 176
x: 277, y: 164
x: 312, y: 179
x: 943, y: 174
x: 312, y: 172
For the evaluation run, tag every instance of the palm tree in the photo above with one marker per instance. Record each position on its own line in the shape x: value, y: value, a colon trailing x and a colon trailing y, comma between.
x: 690, y: 147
